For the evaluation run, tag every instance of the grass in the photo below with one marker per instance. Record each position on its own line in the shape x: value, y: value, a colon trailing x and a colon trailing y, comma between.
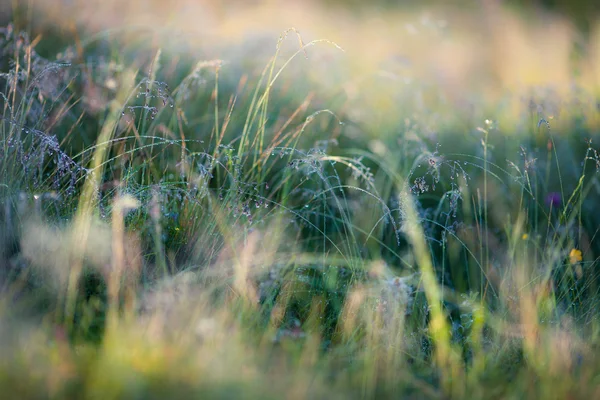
x: 185, y: 230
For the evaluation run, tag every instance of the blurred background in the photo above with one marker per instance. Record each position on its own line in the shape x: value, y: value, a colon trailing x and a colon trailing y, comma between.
x: 491, y: 45
x: 451, y: 65
x: 380, y: 62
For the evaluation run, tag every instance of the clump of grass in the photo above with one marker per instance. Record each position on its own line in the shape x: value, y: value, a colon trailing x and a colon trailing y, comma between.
x: 211, y: 252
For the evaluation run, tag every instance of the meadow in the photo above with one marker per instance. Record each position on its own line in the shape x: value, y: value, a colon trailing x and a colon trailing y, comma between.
x: 298, y: 200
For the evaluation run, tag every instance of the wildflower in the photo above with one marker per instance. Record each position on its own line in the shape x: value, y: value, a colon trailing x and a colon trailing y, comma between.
x: 525, y: 236
x: 575, y: 256
x: 553, y: 199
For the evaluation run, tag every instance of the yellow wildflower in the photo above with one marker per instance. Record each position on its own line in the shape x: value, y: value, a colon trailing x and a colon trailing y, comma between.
x: 575, y: 256
x: 525, y: 236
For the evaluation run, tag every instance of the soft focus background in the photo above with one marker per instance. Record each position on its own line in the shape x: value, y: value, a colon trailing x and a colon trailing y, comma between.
x: 398, y: 56
x: 487, y: 45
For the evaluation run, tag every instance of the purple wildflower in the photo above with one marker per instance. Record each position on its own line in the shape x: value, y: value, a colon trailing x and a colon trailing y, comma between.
x: 553, y: 199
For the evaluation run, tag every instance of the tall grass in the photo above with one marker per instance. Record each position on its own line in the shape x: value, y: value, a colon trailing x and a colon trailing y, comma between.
x: 212, y: 240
